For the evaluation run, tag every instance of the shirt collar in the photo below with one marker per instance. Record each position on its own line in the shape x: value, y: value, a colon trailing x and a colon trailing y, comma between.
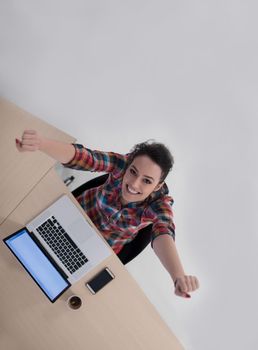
x: 158, y: 194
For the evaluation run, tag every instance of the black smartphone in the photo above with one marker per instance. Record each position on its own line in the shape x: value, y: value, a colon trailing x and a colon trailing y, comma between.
x: 100, y: 280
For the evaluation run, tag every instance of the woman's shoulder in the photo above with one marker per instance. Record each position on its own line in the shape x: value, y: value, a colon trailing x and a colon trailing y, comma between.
x: 160, y: 204
x: 161, y: 197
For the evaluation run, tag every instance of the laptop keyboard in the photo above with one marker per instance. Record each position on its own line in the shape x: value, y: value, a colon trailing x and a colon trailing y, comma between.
x: 62, y: 244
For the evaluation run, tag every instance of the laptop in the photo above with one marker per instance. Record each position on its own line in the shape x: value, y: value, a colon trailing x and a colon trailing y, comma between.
x: 58, y: 247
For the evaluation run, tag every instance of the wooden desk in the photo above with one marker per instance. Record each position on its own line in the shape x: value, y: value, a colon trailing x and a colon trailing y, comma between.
x: 20, y: 172
x: 117, y: 317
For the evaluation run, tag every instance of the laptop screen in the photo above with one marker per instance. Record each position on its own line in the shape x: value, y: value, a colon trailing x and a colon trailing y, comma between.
x: 40, y: 267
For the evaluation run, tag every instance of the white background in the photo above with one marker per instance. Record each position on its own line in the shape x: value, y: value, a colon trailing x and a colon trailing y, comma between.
x: 115, y: 73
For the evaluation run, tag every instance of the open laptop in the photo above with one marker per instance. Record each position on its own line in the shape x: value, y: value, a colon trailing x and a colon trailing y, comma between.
x: 58, y: 247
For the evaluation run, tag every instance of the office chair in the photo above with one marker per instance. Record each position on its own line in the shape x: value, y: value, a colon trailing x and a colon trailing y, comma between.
x: 139, y: 243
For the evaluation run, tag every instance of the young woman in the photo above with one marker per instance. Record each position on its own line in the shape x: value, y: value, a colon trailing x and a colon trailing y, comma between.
x: 134, y: 196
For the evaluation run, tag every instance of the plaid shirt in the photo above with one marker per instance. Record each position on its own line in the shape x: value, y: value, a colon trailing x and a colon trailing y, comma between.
x: 119, y: 224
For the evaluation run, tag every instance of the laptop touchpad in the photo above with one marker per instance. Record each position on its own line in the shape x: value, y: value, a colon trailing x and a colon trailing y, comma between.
x: 79, y: 231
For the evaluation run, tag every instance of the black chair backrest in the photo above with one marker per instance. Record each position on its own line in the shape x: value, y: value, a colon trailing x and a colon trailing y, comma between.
x: 95, y: 182
x: 140, y: 242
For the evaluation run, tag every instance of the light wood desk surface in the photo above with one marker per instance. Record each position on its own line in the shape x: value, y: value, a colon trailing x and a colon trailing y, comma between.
x: 117, y: 317
x: 21, y: 171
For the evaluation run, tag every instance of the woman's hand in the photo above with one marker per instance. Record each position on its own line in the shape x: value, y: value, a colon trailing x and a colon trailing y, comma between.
x: 30, y: 141
x: 185, y: 284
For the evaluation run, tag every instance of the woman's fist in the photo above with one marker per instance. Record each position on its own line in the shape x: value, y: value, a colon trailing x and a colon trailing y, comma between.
x: 185, y: 284
x: 30, y: 141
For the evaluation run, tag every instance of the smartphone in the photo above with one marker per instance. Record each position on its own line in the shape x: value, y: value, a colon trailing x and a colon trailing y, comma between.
x: 100, y: 280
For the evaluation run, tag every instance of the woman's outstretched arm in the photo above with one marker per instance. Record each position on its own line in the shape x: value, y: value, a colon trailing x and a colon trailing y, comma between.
x: 32, y: 141
x: 165, y: 248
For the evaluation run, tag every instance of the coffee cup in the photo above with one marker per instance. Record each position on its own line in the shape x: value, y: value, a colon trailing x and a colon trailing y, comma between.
x: 74, y: 302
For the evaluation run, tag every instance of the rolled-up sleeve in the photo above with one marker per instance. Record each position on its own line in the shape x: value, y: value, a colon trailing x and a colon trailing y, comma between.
x: 94, y: 160
x: 163, y: 222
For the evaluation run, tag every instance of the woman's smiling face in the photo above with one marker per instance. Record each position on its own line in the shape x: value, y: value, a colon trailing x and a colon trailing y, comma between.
x: 141, y: 178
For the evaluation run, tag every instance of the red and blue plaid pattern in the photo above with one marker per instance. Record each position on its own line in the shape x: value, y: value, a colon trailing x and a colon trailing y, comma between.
x: 119, y: 224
